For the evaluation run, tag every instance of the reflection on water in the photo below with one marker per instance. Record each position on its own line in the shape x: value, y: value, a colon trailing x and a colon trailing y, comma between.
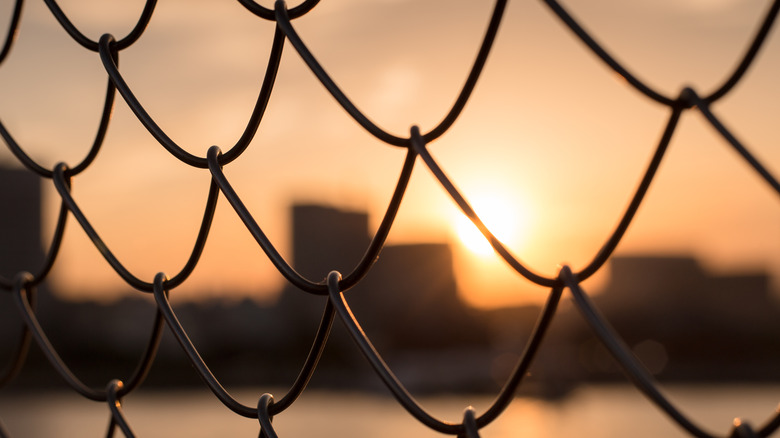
x: 593, y: 411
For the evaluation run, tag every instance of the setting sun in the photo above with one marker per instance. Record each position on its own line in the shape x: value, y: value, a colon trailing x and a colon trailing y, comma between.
x: 501, y: 217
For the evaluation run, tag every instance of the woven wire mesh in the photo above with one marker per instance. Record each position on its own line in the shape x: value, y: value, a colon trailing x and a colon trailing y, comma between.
x: 415, y: 143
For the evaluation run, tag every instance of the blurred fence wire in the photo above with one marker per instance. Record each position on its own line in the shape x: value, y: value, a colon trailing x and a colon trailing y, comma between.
x: 109, y: 48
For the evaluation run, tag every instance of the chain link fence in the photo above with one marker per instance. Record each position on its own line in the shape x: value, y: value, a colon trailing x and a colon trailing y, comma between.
x: 22, y: 287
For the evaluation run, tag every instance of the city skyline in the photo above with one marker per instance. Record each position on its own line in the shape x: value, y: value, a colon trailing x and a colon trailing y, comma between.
x: 549, y: 130
x: 314, y: 252
x: 677, y: 317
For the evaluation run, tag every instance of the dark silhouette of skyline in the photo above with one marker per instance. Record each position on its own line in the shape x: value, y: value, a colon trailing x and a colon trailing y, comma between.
x: 689, y: 323
x: 20, y: 233
x: 684, y: 323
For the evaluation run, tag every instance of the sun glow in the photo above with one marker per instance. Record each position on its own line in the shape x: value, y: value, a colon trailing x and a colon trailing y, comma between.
x: 500, y: 216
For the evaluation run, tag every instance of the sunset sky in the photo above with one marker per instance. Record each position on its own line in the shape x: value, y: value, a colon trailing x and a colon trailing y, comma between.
x: 550, y: 131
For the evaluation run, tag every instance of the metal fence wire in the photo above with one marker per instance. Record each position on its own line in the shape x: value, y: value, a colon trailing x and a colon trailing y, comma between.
x: 109, y: 48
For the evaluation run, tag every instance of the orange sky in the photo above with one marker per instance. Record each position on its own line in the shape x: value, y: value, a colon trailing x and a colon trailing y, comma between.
x: 549, y: 127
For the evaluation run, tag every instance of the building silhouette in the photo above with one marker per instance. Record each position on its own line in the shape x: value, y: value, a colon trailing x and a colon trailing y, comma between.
x: 326, y: 239
x: 20, y: 222
x: 682, y: 321
x: 20, y: 244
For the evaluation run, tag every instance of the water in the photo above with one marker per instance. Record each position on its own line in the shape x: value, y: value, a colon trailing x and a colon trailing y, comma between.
x: 591, y: 411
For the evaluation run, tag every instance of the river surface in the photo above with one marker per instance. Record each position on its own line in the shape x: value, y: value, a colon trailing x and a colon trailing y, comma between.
x: 604, y: 411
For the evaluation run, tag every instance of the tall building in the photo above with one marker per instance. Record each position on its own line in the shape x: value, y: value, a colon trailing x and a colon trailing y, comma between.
x: 326, y: 238
x: 20, y: 222
x: 684, y: 322
x: 20, y: 243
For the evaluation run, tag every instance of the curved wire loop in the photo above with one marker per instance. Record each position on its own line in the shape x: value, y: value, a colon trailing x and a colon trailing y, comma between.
x: 84, y: 41
x: 283, y: 21
x: 400, y: 392
x: 302, y: 283
x: 13, y: 30
x: 264, y: 416
x: 750, y: 54
x: 268, y: 14
x: 105, y: 118
x: 474, y: 74
x: 23, y: 280
x: 107, y: 56
x: 51, y: 254
x: 608, y: 59
x: 419, y: 145
x: 21, y: 293
x: 115, y: 406
x: 704, y: 107
x: 320, y: 340
x: 728, y: 84
x: 62, y: 184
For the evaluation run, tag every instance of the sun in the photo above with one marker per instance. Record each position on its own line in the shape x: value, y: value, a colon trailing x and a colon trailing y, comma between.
x: 501, y: 217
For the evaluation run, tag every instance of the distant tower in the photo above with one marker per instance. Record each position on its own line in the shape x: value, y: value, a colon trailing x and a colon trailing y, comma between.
x: 20, y: 222
x: 323, y: 239
x: 326, y: 238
